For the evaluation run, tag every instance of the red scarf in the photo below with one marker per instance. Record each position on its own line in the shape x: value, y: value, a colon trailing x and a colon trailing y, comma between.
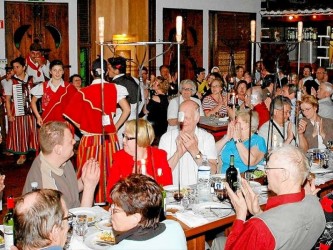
x: 33, y: 66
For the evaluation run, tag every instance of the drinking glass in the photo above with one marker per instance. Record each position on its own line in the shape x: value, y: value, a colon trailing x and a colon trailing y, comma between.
x: 81, y: 225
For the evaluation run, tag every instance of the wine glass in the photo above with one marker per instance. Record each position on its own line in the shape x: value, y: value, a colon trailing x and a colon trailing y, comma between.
x: 178, y: 196
x: 81, y: 225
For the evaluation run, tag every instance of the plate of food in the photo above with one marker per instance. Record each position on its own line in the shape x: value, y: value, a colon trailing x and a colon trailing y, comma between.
x: 104, y: 224
x: 212, y: 209
x: 91, y: 214
x: 172, y: 209
x: 100, y: 240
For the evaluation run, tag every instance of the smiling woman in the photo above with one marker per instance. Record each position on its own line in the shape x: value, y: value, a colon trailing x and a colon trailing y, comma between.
x: 314, y: 131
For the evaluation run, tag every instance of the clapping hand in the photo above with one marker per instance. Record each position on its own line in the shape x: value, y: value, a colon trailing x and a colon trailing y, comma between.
x: 231, y: 129
x: 2, y: 182
x: 251, y: 199
x: 238, y: 202
x: 90, y: 173
x: 302, y: 126
x: 190, y: 142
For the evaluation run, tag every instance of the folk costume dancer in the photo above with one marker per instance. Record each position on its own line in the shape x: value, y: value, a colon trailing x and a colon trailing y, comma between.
x: 55, y: 94
x: 89, y: 119
x: 22, y: 131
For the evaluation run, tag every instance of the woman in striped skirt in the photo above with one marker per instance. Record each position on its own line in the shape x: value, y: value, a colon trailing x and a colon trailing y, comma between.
x: 22, y: 130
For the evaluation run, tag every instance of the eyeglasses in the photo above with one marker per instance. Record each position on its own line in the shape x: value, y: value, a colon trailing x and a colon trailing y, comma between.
x: 115, y: 210
x: 268, y: 168
x: 187, y: 89
x: 286, y: 112
x: 128, y: 138
x: 307, y: 109
x: 69, y: 218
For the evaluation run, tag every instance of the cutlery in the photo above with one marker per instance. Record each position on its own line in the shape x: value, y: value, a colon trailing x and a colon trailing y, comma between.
x: 104, y: 243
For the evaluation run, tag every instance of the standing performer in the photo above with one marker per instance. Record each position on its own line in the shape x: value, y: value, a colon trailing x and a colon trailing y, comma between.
x: 22, y: 132
x: 37, y: 64
x: 90, y: 119
x: 55, y: 95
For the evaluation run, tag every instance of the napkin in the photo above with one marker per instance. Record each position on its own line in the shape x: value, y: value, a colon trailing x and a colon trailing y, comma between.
x: 76, y: 244
x: 323, y: 178
x: 191, y: 219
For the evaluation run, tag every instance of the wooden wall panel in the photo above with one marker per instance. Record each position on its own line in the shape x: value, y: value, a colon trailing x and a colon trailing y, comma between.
x: 37, y: 15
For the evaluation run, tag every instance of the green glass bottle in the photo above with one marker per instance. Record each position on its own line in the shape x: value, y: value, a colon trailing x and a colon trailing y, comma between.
x: 8, y: 224
x: 231, y: 174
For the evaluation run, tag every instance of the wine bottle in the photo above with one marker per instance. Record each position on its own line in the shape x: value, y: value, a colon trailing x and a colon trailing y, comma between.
x: 231, y: 174
x: 163, y: 209
x: 8, y: 224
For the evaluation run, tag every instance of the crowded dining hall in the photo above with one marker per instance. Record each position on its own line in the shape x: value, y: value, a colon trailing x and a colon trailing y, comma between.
x: 166, y: 125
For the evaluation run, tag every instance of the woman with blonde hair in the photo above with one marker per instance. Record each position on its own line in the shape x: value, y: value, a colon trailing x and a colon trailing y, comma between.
x: 237, y: 140
x: 158, y: 107
x: 154, y: 159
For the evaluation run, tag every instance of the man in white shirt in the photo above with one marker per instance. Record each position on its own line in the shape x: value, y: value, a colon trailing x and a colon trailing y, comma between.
x: 185, y: 148
x: 324, y: 93
x: 37, y: 66
x: 279, y: 130
x: 187, y: 89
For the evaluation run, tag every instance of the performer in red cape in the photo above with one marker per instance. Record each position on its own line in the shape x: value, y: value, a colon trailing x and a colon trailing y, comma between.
x: 55, y: 95
x: 89, y: 118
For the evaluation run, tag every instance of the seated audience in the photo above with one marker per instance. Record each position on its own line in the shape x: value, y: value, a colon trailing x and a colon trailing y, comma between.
x: 157, y: 107
x: 321, y: 75
x: 254, y: 100
x: 41, y: 220
x: 187, y: 89
x: 324, y: 94
x: 136, y: 208
x: 52, y: 168
x: 279, y: 130
x: 237, y: 141
x: 155, y: 159
x: 186, y: 147
x: 290, y: 91
x: 202, y: 85
x: 293, y: 219
x: 310, y: 87
x: 241, y: 88
x: 314, y: 131
x: 215, y: 103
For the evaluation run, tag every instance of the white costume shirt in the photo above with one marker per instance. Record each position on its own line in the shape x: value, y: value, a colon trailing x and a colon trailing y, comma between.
x: 188, y: 167
x: 44, y: 70
x: 174, y: 107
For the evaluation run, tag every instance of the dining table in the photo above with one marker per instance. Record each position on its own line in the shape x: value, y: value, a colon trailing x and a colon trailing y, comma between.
x: 214, y: 125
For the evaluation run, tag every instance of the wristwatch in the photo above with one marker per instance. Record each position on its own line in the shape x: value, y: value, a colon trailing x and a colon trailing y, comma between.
x: 198, y: 155
x: 238, y: 140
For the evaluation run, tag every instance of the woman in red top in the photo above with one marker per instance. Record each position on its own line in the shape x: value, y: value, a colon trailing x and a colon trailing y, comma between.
x: 154, y: 159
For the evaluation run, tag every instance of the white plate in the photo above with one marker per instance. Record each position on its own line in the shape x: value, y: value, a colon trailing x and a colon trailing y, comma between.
x: 222, y: 176
x: 91, y: 239
x: 104, y: 224
x: 177, y: 208
x: 91, y: 215
x: 173, y: 188
x: 204, y: 209
x: 318, y: 170
x: 223, y: 119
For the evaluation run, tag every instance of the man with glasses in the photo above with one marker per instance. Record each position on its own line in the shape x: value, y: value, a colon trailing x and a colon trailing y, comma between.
x: 279, y: 130
x: 41, y: 220
x: 321, y: 75
x: 52, y: 168
x: 187, y: 89
x: 293, y: 219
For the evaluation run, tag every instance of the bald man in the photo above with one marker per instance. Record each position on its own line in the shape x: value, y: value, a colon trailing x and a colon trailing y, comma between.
x: 41, y: 220
x: 293, y: 219
x: 186, y: 148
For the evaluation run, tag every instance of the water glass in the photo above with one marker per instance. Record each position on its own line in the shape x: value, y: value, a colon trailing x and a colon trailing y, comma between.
x: 81, y: 225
